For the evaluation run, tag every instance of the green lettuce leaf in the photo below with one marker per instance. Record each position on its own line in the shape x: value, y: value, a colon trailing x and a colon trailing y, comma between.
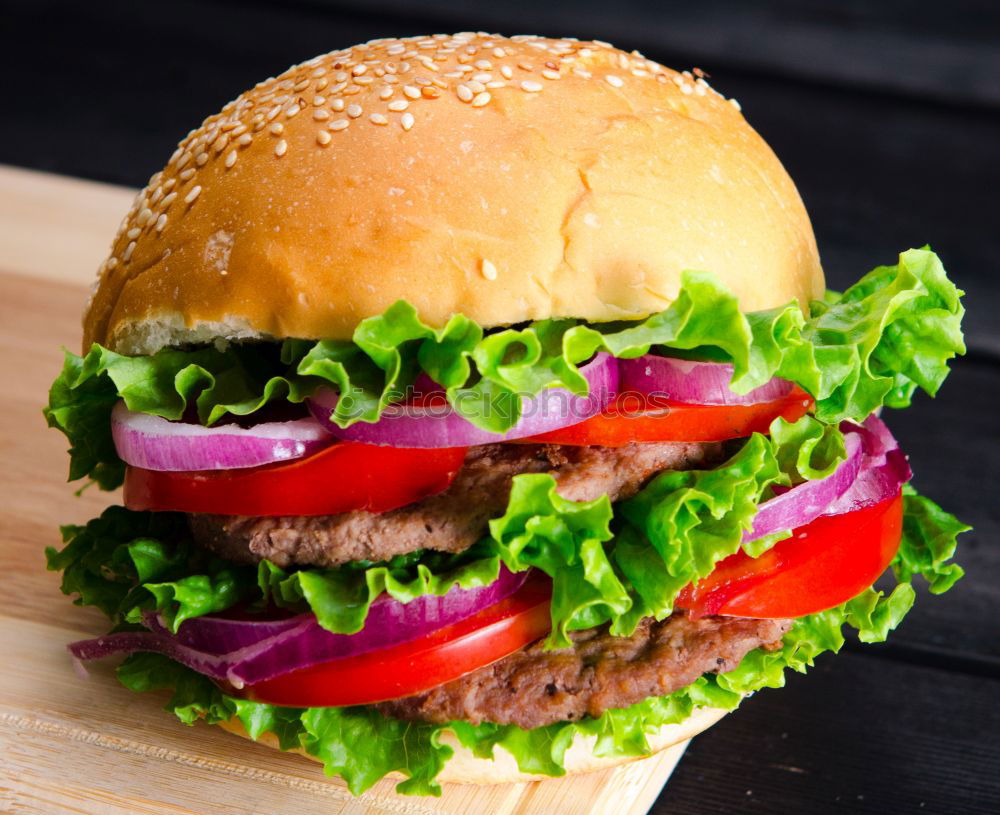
x: 928, y: 543
x: 891, y: 332
x: 340, y: 598
x: 127, y: 563
x: 670, y: 534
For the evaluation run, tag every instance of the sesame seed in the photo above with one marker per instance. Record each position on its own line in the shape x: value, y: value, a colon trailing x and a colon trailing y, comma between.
x: 483, y: 64
x: 398, y: 105
x: 277, y: 128
x: 337, y: 105
x: 548, y: 73
x: 736, y: 104
x: 127, y: 254
x: 354, y: 111
x: 486, y: 77
x: 465, y: 93
x: 244, y: 140
x: 184, y: 159
x: 499, y: 53
x: 186, y: 174
x: 323, y: 137
x: 292, y: 111
x: 531, y: 87
x: 496, y: 83
x: 281, y: 148
x: 488, y: 269
x: 133, y: 233
x: 385, y: 93
x: 476, y: 86
x: 321, y: 115
x: 192, y: 194
x: 339, y: 124
x: 378, y: 119
x: 161, y: 222
x: 363, y: 80
x: 687, y: 89
x: 168, y: 199
x: 145, y: 216
x: 411, y: 91
x: 319, y: 100
x: 614, y: 81
x: 481, y: 99
x: 357, y: 70
x: 506, y: 71
x: 430, y: 93
x: 231, y: 158
x: 582, y: 73
x: 406, y: 121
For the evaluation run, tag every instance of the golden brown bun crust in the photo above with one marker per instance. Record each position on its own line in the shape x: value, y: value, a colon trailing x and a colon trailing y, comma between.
x: 576, y: 181
x: 465, y: 768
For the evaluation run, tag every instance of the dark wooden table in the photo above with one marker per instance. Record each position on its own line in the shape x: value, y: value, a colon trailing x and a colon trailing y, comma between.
x: 889, y: 120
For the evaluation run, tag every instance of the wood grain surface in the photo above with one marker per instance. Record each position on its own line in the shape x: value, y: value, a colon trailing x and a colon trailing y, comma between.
x: 74, y: 744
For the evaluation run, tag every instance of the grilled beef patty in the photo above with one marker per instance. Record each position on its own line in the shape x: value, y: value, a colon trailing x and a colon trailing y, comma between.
x: 533, y: 687
x: 453, y: 520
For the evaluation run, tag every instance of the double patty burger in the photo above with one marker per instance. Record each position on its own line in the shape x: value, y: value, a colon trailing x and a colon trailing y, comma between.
x: 481, y: 414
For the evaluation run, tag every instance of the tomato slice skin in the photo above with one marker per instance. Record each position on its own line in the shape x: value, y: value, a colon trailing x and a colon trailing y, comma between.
x: 634, y: 417
x: 419, y: 665
x: 343, y: 477
x: 823, y: 564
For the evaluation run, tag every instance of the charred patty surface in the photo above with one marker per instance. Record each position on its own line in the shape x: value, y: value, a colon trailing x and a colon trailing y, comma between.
x: 456, y: 518
x: 535, y: 687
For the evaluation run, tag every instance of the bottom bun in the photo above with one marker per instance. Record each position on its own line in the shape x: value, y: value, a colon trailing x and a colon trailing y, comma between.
x: 465, y: 768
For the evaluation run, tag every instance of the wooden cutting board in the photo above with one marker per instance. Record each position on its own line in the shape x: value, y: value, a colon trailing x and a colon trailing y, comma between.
x: 74, y: 744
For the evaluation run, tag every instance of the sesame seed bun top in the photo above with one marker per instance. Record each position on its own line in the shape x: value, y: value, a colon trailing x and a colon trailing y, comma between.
x: 506, y: 179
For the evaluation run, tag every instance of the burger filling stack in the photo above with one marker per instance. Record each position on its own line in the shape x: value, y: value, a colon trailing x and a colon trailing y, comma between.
x: 481, y: 414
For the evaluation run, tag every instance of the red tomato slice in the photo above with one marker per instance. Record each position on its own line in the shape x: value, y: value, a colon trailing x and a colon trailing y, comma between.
x: 824, y: 563
x: 343, y: 477
x: 634, y: 417
x: 418, y: 665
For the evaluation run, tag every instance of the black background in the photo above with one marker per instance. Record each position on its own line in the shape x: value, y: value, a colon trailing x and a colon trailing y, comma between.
x: 887, y: 114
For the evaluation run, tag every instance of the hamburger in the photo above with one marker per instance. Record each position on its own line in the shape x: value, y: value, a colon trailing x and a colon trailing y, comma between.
x: 482, y: 415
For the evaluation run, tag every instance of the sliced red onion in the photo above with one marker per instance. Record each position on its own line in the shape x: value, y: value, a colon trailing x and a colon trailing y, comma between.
x: 243, y: 652
x: 884, y: 468
x: 408, y: 425
x: 874, y: 470
x: 692, y: 382
x: 808, y: 500
x: 155, y: 443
